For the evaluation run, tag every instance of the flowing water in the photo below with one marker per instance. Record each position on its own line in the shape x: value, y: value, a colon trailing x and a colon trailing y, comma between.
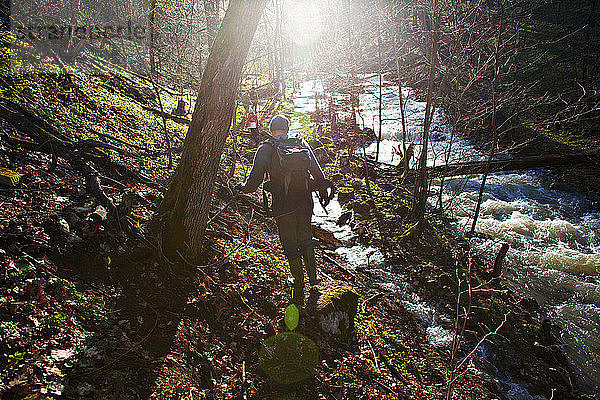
x: 554, y: 236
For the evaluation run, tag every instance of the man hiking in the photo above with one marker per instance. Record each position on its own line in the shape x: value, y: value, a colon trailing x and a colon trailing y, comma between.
x: 294, y: 173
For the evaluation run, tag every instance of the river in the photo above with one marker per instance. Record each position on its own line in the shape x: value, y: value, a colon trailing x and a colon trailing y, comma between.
x: 554, y: 236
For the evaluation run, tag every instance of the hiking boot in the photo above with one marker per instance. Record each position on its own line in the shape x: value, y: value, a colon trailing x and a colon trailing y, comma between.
x: 313, y: 298
x: 308, y: 254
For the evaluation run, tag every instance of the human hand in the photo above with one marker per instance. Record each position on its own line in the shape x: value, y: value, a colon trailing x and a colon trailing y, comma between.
x: 326, y: 191
x: 323, y: 195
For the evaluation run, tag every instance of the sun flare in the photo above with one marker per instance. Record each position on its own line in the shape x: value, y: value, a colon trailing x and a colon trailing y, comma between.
x: 303, y: 20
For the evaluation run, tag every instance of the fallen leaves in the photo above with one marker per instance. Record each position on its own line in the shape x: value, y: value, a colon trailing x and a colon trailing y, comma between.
x: 61, y: 355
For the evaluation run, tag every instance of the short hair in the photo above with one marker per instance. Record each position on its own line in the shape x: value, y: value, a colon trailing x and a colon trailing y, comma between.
x: 279, y: 123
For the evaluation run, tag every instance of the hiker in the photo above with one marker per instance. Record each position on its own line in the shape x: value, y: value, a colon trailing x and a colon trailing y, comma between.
x: 252, y: 125
x: 294, y: 173
x: 180, y: 110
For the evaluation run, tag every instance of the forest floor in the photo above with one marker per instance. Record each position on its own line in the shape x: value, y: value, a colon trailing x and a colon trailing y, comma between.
x: 88, y: 312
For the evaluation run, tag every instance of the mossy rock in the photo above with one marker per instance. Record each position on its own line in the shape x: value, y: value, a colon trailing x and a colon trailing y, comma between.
x: 363, y: 207
x: 401, y: 210
x: 336, y: 307
x: 345, y: 194
x: 337, y: 177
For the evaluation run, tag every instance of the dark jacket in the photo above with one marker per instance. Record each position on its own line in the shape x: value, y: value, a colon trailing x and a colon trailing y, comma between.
x: 282, y: 203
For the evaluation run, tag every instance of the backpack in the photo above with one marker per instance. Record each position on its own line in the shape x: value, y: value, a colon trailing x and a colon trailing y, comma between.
x: 290, y: 163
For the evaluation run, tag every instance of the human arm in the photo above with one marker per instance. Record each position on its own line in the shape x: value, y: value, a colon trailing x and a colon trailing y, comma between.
x: 259, y: 168
x: 314, y: 167
x: 323, y: 185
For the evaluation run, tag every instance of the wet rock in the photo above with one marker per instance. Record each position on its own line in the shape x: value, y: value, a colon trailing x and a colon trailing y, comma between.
x: 63, y: 226
x: 345, y: 194
x: 99, y: 214
x: 335, y: 304
x: 529, y: 304
x: 344, y: 218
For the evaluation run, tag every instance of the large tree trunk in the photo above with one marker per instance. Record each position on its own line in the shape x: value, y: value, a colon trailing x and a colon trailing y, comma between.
x: 187, y: 201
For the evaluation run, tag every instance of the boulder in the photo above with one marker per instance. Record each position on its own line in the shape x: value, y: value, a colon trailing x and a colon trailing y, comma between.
x: 63, y: 226
x: 344, y: 218
x: 335, y: 304
x: 345, y: 194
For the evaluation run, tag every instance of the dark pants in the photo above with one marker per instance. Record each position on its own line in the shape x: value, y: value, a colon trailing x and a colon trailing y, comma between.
x: 295, y: 233
x: 254, y: 137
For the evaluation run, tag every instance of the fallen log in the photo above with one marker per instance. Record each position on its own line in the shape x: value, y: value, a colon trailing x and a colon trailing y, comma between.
x: 46, y: 138
x: 175, y: 118
x: 143, y: 151
x: 325, y: 236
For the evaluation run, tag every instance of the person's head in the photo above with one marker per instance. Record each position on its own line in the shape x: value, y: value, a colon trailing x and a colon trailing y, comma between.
x: 279, y: 125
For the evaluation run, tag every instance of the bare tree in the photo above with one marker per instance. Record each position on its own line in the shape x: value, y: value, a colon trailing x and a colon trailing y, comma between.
x: 187, y: 201
x: 421, y: 187
x: 494, y: 127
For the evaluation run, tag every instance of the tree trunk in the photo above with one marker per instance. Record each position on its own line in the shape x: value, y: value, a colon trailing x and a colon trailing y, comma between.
x: 185, y: 208
x: 380, y: 83
x: 420, y: 195
x: 152, y: 34
x: 494, y: 127
x: 404, y: 158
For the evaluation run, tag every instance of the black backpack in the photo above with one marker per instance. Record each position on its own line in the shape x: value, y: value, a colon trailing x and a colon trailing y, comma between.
x: 290, y: 164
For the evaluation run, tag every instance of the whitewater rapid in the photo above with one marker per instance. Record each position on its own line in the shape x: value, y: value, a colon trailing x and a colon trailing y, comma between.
x: 554, y: 236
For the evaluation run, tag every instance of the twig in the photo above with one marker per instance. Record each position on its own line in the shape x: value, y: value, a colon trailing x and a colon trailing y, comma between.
x: 245, y: 395
x: 374, y: 356
x: 328, y: 392
x: 476, y: 347
x: 339, y: 265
